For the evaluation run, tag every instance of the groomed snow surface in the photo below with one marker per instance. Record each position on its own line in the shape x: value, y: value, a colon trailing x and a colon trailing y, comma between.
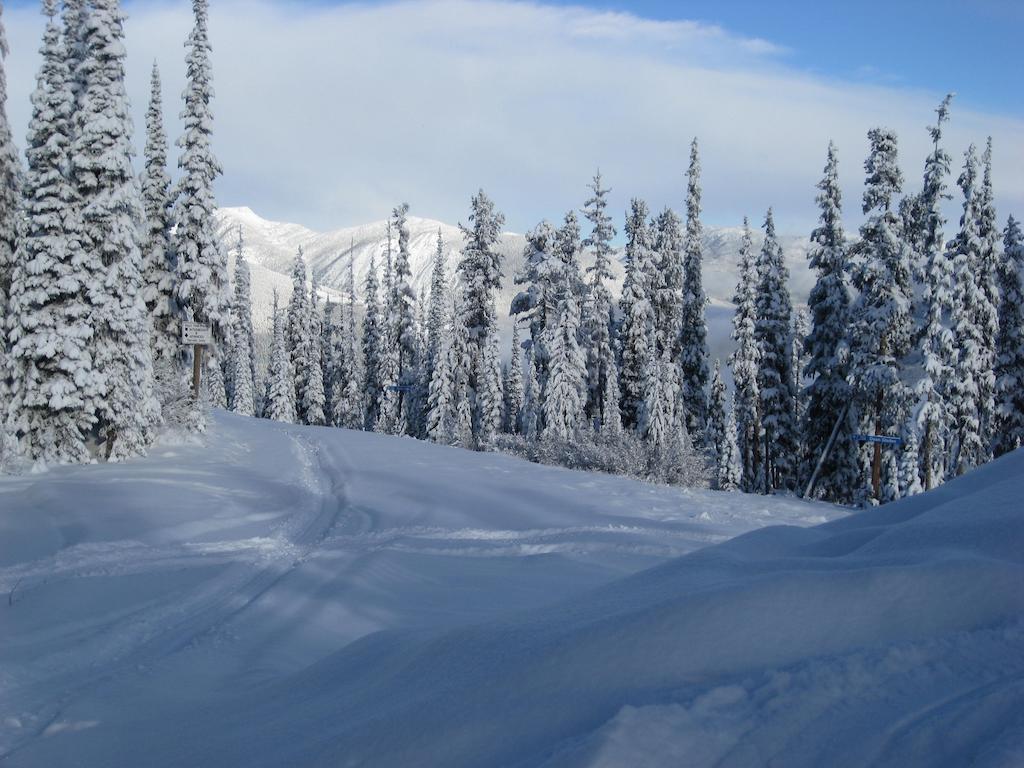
x: 290, y: 596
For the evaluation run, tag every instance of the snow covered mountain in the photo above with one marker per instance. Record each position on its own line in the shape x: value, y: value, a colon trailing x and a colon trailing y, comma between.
x: 284, y: 595
x: 270, y: 248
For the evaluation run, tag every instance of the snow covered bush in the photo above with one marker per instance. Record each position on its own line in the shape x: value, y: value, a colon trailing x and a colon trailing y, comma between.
x: 617, y: 454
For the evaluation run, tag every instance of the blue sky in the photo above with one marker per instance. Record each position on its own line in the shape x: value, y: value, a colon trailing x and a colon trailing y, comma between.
x: 329, y: 114
x: 972, y: 47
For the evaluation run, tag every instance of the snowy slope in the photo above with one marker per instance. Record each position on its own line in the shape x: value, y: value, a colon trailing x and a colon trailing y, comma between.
x: 302, y: 596
x: 271, y: 246
x: 213, y: 578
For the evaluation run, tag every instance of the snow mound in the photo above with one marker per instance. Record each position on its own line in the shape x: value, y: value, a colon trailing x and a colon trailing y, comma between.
x: 892, y: 637
x: 139, y: 599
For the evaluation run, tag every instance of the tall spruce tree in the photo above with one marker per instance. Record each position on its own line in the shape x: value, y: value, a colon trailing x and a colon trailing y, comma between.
x: 988, y: 308
x: 934, y: 417
x: 637, y: 336
x: 745, y: 363
x: 717, y: 429
x: 437, y: 313
x: 537, y: 302
x: 242, y: 360
x: 729, y: 470
x: 160, y: 266
x: 827, y: 346
x: 280, y: 400
x: 403, y: 318
x: 693, y: 328
x: 597, y: 322
x: 480, y: 277
x: 371, y: 341
x: 882, y: 327
x: 202, y: 288
x: 668, y: 288
x: 968, y: 318
x: 565, y: 388
x: 442, y: 388
x: 514, y: 384
x: 330, y: 331
x: 109, y: 203
x: 299, y: 334
x: 54, y: 380
x: 10, y: 199
x: 1010, y: 342
x: 530, y: 420
x: 772, y: 332
x: 349, y: 411
x: 313, y: 398
x: 490, y: 397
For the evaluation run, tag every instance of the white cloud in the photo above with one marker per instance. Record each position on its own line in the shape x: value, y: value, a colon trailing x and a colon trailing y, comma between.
x: 329, y: 115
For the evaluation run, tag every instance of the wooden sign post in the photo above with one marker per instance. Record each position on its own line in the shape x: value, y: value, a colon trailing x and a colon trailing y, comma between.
x: 199, y: 336
x: 876, y: 464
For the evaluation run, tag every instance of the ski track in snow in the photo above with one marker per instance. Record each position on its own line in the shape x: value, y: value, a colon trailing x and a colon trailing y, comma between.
x: 259, y: 562
x: 350, y: 551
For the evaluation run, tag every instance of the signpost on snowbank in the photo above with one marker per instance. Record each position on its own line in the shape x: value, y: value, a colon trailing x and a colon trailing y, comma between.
x: 876, y: 464
x: 199, y: 336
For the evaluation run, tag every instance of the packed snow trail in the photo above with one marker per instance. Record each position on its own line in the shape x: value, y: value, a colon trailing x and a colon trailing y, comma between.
x: 893, y: 637
x: 141, y: 592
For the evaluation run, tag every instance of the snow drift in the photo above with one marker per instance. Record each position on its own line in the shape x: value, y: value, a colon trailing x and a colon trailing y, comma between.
x: 890, y: 637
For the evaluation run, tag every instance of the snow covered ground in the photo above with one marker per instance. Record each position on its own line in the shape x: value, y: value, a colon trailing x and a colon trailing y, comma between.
x: 301, y: 596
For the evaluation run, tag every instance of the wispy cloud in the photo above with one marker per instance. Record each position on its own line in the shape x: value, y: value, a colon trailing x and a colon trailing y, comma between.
x: 329, y: 115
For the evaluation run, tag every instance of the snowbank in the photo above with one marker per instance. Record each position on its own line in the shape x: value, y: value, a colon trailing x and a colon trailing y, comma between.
x: 888, y: 637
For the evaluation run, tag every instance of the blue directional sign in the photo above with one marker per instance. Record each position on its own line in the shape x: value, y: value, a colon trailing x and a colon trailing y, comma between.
x: 883, y: 439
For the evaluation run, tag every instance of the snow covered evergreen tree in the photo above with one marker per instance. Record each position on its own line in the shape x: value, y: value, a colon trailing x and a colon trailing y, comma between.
x: 882, y: 328
x: 439, y: 302
x: 611, y: 416
x: 280, y: 400
x: 242, y: 360
x: 442, y: 391
x: 597, y: 322
x: 772, y: 332
x: 329, y: 359
x: 693, y: 328
x: 827, y: 347
x: 717, y: 428
x: 799, y: 332
x: 403, y: 318
x: 480, y: 277
x: 349, y: 411
x: 530, y: 420
x: 160, y: 267
x: 745, y: 362
x: 564, y: 396
x: 299, y: 334
x: 537, y: 303
x: 637, y: 335
x: 109, y: 203
x: 988, y: 308
x: 54, y: 382
x: 372, y: 340
x: 490, y: 397
x: 514, y: 384
x: 659, y: 421
x: 729, y: 470
x: 389, y: 420
x: 668, y: 288
x: 1010, y: 342
x: 968, y: 318
x: 10, y: 200
x: 935, y: 419
x: 313, y: 398
x: 202, y: 286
